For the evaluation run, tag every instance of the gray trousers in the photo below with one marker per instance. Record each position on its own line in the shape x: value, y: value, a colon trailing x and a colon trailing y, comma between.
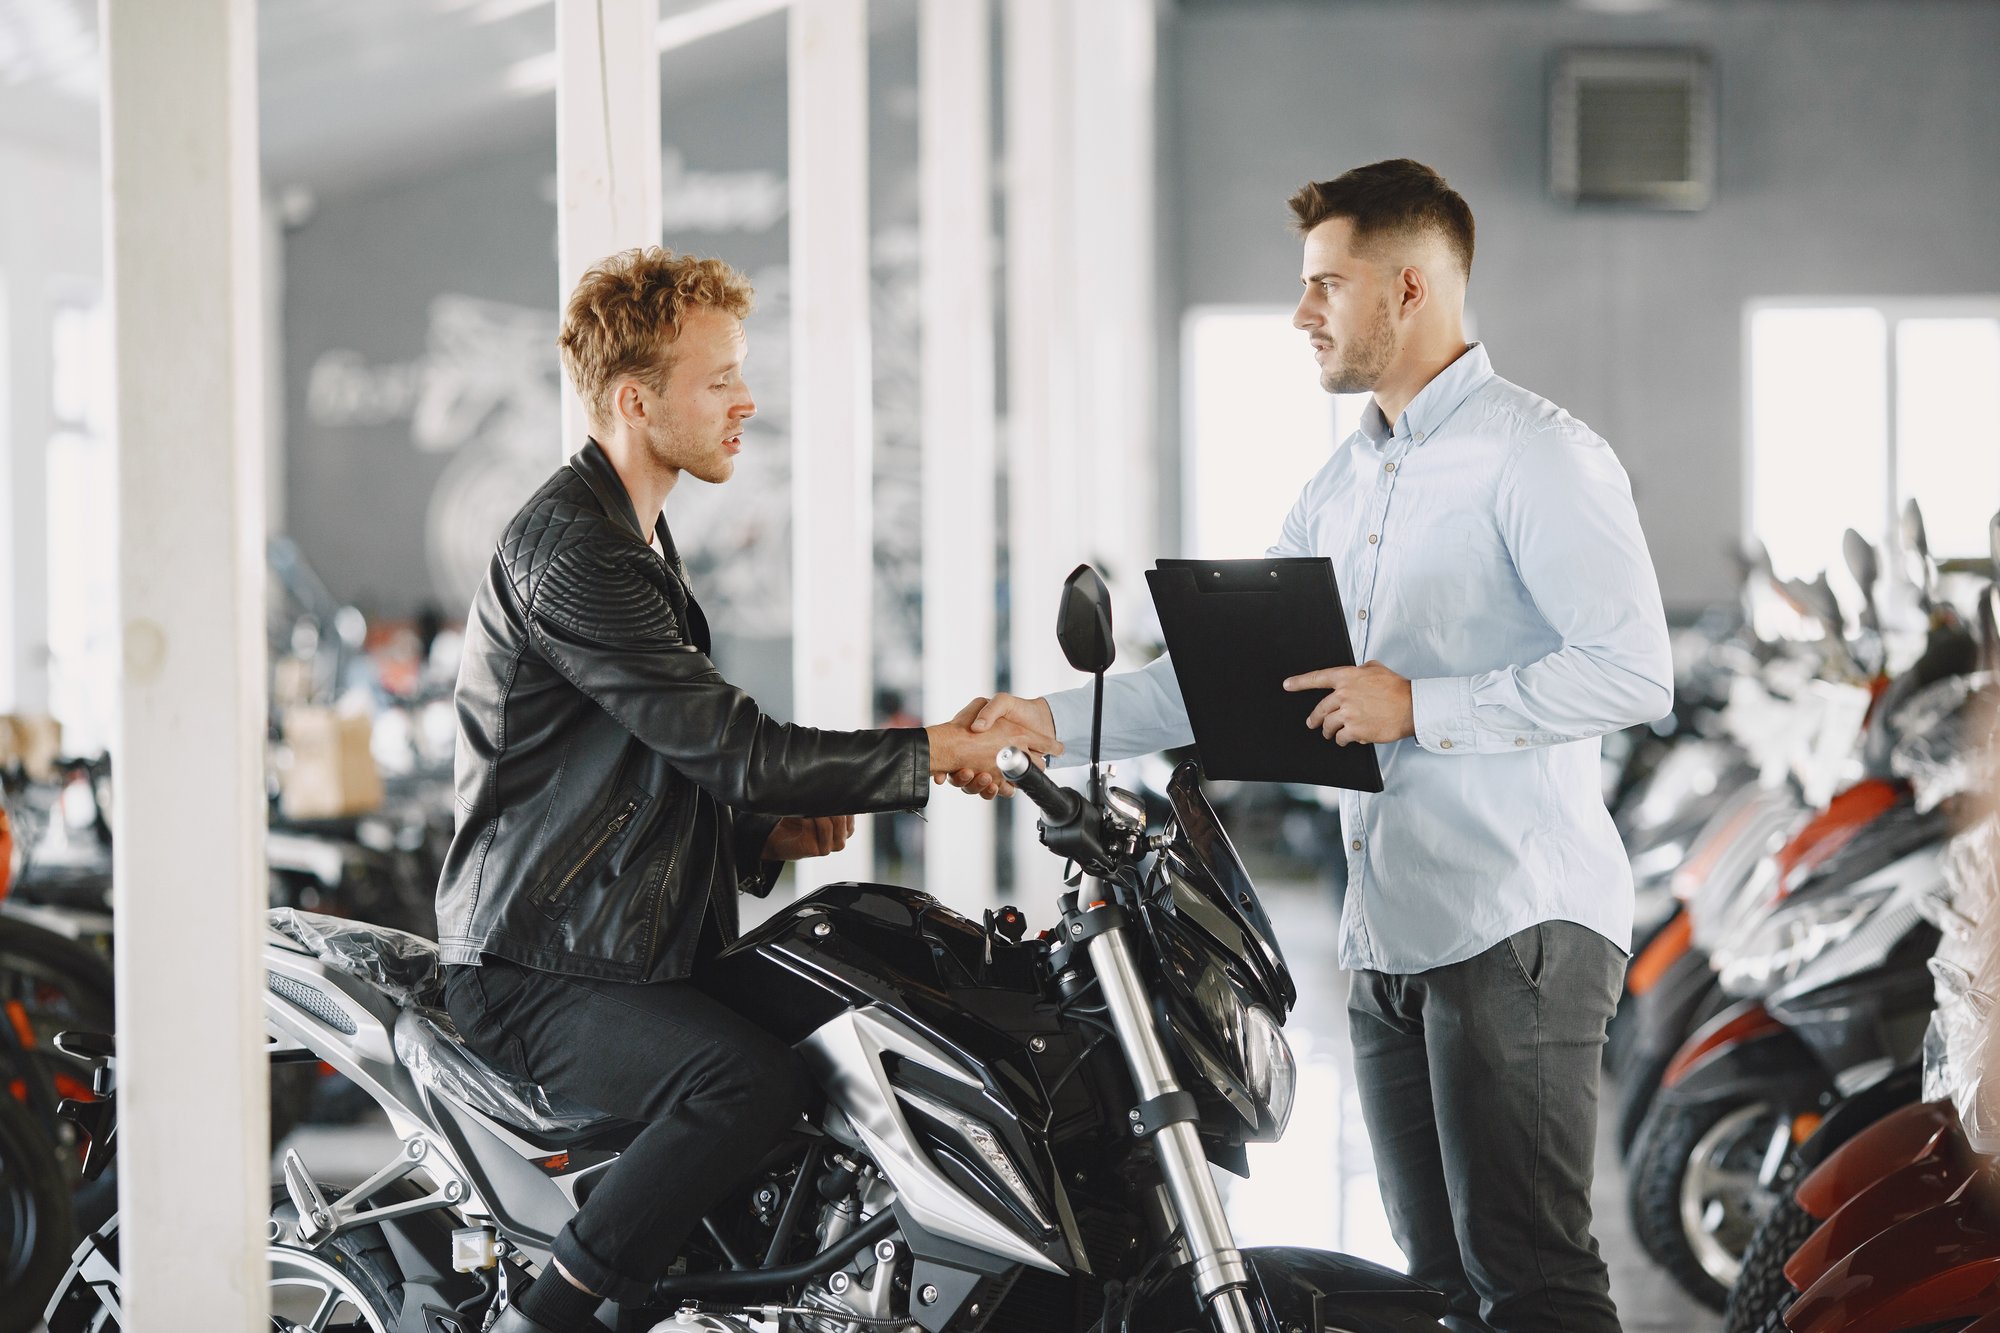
x: 1478, y: 1084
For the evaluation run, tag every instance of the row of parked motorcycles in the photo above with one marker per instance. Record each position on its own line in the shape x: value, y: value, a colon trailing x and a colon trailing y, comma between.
x: 57, y: 944
x: 1806, y: 1099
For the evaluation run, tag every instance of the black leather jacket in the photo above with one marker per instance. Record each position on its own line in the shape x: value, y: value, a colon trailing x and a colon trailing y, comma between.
x: 612, y: 786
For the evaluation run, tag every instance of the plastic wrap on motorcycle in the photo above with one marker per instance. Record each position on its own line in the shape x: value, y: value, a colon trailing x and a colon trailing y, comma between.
x: 402, y: 965
x: 1300, y: 1289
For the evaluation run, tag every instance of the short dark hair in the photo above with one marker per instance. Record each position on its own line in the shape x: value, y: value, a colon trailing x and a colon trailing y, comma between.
x: 1396, y: 197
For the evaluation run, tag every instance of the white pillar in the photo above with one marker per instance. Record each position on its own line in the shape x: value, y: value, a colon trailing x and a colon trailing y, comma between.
x: 833, y: 559
x: 955, y: 151
x: 607, y: 145
x: 1113, y: 219
x: 1045, y: 476
x: 180, y: 136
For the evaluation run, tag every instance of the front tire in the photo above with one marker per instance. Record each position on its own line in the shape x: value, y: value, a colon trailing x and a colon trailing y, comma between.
x: 35, y: 1221
x: 1693, y: 1192
x: 1758, y: 1301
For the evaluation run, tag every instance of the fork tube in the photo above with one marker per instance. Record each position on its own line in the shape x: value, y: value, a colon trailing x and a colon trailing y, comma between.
x: 1220, y: 1275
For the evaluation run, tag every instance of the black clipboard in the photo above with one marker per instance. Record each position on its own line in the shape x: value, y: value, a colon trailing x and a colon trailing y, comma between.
x: 1236, y: 630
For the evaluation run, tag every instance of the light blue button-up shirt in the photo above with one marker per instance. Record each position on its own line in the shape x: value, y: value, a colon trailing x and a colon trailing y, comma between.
x: 1486, y: 548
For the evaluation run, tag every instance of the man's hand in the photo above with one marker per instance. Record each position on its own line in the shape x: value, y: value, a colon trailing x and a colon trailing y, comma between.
x: 964, y: 748
x: 1368, y: 703
x: 1032, y: 713
x: 796, y: 838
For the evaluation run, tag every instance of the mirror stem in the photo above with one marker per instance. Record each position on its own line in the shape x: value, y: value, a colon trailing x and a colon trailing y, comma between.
x: 1097, y: 740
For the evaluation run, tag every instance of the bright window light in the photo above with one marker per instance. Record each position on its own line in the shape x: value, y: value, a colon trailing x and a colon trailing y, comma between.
x: 1257, y: 426
x: 1948, y: 428
x: 1818, y: 431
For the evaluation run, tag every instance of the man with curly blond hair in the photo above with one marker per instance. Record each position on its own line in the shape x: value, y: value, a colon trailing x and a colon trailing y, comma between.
x: 615, y: 792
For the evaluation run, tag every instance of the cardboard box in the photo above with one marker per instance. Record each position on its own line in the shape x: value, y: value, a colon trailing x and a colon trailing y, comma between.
x: 332, y: 773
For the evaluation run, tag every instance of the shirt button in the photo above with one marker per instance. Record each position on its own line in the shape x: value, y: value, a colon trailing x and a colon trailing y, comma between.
x: 1520, y: 740
x: 1444, y: 745
x: 1356, y: 844
x: 1363, y: 615
x: 1388, y: 467
x: 1371, y: 539
x: 1420, y: 437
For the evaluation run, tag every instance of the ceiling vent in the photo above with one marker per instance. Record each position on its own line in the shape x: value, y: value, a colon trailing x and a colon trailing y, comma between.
x: 1633, y: 127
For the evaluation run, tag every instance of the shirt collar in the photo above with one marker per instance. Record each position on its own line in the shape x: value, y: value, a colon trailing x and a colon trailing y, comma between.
x: 1438, y: 399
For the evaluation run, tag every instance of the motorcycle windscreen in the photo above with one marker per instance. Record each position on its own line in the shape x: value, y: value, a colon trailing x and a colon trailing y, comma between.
x: 1207, y: 864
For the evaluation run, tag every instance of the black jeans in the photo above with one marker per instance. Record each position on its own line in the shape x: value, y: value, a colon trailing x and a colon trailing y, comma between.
x: 1478, y: 1084
x: 716, y: 1090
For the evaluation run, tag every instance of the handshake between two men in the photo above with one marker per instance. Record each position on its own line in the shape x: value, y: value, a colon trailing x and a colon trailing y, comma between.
x: 1367, y: 704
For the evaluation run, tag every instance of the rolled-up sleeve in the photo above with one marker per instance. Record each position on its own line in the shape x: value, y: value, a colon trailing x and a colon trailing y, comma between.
x: 1565, y: 511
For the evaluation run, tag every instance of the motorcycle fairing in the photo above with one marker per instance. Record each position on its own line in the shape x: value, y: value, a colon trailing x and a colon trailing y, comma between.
x: 1940, y: 1265
x: 1772, y: 1065
x: 1292, y: 1287
x: 1204, y: 856
x: 855, y: 1057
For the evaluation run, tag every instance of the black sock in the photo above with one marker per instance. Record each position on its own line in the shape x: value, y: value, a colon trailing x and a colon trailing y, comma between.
x: 559, y: 1305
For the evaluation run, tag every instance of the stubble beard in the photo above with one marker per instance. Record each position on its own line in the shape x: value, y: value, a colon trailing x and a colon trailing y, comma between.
x: 1363, y: 358
x: 678, y: 450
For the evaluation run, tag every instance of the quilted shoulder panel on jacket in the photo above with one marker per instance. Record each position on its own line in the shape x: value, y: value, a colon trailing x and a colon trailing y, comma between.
x: 559, y: 515
x: 608, y: 590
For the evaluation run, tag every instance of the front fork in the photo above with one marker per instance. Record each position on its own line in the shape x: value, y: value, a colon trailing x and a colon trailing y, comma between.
x: 1221, y: 1278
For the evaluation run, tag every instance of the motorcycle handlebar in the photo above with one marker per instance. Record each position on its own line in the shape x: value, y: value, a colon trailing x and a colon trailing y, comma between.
x: 1059, y: 803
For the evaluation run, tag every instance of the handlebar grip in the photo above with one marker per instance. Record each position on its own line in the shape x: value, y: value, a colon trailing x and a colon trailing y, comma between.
x: 1059, y: 803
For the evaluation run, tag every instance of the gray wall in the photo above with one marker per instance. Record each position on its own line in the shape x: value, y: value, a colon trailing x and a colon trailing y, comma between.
x: 1859, y: 155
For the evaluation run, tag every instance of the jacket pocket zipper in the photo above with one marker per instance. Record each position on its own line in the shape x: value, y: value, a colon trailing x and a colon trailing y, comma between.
x: 610, y: 831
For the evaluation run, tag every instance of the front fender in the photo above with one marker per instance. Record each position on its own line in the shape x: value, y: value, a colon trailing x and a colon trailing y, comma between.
x: 1912, y: 1188
x: 1895, y: 1140
x: 1295, y: 1289
x: 1852, y: 1115
x: 1766, y: 1063
x: 1929, y: 1270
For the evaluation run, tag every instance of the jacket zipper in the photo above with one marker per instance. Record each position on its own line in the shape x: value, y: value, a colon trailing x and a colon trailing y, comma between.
x: 595, y: 847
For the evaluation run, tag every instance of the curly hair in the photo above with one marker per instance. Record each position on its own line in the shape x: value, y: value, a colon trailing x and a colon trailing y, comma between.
x: 1393, y: 198
x: 625, y: 314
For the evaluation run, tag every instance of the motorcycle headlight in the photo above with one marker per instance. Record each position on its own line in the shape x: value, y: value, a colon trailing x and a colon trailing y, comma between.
x: 1792, y: 936
x: 1255, y: 1046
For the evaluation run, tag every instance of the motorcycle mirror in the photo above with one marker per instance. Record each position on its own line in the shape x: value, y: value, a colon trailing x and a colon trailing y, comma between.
x: 1862, y: 564
x: 1083, y: 621
x: 1914, y: 536
x: 1860, y: 559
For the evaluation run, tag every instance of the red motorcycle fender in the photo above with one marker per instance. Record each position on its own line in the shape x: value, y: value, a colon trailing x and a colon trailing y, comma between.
x: 1940, y: 1265
x: 1903, y: 1193
x: 1894, y: 1141
x: 1741, y: 1022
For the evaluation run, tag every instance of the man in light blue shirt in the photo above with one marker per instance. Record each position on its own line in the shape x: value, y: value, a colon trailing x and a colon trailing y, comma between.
x: 1500, y: 593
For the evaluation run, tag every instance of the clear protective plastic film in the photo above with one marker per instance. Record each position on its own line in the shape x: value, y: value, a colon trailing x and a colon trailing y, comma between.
x: 405, y: 968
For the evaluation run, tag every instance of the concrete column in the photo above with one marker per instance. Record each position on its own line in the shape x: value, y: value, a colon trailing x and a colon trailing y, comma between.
x: 833, y: 428
x: 607, y: 144
x: 180, y: 154
x: 955, y: 153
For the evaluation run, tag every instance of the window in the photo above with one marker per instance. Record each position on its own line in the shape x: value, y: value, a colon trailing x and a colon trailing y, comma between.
x: 1857, y: 406
x: 82, y: 533
x: 1256, y: 427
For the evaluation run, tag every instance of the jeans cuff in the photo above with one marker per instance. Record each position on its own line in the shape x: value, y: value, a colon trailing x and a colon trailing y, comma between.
x: 593, y: 1273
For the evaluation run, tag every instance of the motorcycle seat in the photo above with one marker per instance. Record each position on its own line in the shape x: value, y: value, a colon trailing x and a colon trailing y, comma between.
x: 405, y: 967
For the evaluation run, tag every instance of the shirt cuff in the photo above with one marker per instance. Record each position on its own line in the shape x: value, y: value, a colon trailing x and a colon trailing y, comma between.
x: 1441, y: 708
x: 1070, y: 712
